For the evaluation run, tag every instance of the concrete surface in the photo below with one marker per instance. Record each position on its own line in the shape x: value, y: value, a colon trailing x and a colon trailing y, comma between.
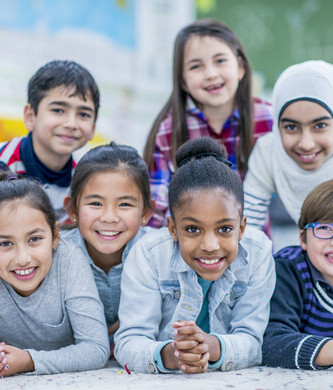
x: 115, y: 378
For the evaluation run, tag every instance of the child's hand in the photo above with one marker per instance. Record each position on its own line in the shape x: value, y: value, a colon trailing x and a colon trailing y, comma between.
x: 191, y: 348
x: 3, y: 359
x: 17, y: 360
x: 112, y: 329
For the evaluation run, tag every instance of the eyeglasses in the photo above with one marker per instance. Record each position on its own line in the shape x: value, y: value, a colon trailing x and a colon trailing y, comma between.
x: 321, y: 230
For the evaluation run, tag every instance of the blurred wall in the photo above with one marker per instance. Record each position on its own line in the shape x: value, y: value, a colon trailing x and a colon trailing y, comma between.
x: 276, y: 33
x: 125, y: 44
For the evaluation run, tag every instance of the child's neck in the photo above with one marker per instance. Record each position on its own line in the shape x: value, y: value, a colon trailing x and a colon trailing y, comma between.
x: 105, y: 261
x: 53, y: 161
x: 218, y: 115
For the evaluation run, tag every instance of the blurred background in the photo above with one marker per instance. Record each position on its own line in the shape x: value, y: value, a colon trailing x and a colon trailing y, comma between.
x: 127, y: 46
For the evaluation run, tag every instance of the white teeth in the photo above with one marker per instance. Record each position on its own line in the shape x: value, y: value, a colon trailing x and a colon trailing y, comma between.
x: 23, y: 272
x: 107, y: 233
x: 308, y: 156
x: 214, y: 87
x: 209, y: 261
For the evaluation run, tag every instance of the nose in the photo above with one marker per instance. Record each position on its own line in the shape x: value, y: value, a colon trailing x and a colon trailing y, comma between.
x: 22, y: 257
x: 210, y: 243
x: 307, y: 141
x: 109, y: 215
x: 70, y: 122
x: 211, y: 71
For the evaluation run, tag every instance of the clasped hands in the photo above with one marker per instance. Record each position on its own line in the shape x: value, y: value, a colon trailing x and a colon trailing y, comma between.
x: 191, y: 350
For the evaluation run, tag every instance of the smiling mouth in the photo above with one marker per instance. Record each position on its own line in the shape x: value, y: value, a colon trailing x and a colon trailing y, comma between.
x: 68, y: 138
x: 107, y: 233
x: 24, y: 272
x: 210, y: 261
x: 213, y: 87
x: 307, y: 157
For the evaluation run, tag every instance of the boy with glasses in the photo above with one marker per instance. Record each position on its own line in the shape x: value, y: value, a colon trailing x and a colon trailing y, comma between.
x: 300, y: 330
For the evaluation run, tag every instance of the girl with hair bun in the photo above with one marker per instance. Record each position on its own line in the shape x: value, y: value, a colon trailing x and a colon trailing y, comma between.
x: 206, y: 279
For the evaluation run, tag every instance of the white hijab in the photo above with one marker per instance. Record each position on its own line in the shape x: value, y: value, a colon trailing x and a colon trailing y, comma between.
x: 310, y: 80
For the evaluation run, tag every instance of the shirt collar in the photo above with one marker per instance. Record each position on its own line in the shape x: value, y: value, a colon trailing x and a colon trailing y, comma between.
x: 192, y: 109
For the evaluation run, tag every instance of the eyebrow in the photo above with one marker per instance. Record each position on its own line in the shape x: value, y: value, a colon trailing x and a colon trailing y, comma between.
x: 125, y: 197
x: 64, y: 104
x: 323, y: 118
x: 37, y: 230
x: 224, y: 220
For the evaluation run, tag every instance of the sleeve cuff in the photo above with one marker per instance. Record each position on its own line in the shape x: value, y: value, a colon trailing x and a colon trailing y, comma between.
x: 219, y: 363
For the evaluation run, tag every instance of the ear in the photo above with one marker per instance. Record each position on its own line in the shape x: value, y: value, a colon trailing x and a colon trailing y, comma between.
x: 172, y: 229
x: 70, y: 209
x: 242, y: 228
x: 241, y: 69
x: 148, y: 212
x: 56, y: 236
x: 184, y: 86
x: 92, y: 133
x: 29, y: 117
x: 301, y: 239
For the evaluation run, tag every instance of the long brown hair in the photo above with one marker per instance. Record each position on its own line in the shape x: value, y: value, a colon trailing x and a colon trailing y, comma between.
x: 177, y: 101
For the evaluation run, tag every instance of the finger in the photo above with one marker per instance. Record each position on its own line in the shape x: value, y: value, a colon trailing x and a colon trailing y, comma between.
x: 185, y: 357
x: 186, y: 346
x: 198, y: 337
x: 3, y: 360
x: 181, y: 323
x: 188, y: 369
x: 187, y: 329
x: 6, y: 371
x: 114, y: 327
x: 189, y: 359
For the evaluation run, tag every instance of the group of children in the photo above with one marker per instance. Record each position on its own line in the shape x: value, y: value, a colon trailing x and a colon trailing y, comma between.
x: 82, y: 276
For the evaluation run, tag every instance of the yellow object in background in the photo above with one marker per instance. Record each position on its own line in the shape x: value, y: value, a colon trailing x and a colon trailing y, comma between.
x: 10, y: 128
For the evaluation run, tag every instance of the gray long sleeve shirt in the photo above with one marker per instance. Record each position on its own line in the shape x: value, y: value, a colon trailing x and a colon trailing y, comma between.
x: 62, y: 323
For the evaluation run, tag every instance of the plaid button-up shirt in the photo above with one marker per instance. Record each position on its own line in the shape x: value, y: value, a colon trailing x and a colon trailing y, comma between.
x: 198, y: 126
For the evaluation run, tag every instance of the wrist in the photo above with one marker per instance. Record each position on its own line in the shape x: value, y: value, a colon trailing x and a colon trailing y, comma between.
x: 28, y: 364
x: 325, y: 356
x: 214, y: 347
x: 168, y: 357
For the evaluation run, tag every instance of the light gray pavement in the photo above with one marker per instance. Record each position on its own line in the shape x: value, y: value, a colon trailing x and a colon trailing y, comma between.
x: 115, y: 378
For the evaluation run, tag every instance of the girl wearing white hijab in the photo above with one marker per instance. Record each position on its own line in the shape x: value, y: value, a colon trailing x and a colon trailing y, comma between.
x: 298, y: 155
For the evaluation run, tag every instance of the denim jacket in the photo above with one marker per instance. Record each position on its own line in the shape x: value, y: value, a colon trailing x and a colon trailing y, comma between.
x: 158, y: 288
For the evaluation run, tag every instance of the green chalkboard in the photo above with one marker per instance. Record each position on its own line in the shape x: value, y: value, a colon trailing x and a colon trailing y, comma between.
x: 276, y: 33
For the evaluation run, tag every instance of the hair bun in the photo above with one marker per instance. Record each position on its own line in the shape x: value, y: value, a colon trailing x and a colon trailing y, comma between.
x: 201, y: 148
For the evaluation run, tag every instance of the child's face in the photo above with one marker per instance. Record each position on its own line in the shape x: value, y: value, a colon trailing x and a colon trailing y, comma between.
x: 307, y: 133
x: 211, y: 73
x: 109, y: 214
x: 207, y: 227
x: 320, y: 253
x: 26, y: 245
x: 63, y: 123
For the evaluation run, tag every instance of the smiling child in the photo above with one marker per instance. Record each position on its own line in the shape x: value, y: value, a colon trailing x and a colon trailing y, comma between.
x: 196, y: 295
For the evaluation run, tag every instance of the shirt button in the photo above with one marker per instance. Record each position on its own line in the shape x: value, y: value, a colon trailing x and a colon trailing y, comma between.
x: 151, y: 368
x: 228, y: 367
